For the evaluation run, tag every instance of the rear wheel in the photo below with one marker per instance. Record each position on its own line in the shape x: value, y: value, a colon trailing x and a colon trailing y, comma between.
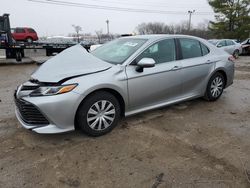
x: 98, y: 114
x: 215, y: 87
x: 29, y: 40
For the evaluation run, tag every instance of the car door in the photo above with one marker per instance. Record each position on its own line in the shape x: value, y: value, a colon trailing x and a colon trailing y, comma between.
x: 158, y: 84
x: 197, y: 65
x: 222, y: 44
x: 19, y: 34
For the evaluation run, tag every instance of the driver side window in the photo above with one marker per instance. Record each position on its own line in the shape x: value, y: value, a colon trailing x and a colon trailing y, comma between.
x: 162, y: 52
x: 222, y: 44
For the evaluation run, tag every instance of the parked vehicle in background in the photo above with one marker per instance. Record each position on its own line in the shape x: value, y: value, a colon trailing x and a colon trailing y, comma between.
x: 236, y: 40
x: 228, y: 45
x: 94, y: 46
x: 91, y: 91
x: 246, y: 47
x: 16, y: 49
x: 24, y: 34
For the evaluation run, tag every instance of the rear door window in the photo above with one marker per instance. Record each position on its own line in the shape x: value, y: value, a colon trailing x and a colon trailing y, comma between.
x: 230, y: 43
x: 31, y: 30
x: 190, y: 48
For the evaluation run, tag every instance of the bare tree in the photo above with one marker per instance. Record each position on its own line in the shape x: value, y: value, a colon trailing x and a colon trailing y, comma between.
x: 151, y: 28
x: 99, y: 35
x: 181, y: 28
x: 77, y: 29
x: 169, y: 29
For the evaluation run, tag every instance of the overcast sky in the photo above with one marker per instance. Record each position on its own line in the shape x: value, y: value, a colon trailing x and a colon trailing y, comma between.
x: 48, y: 19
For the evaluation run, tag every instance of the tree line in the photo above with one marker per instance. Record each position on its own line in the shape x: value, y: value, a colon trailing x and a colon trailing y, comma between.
x: 182, y: 28
x: 232, y: 20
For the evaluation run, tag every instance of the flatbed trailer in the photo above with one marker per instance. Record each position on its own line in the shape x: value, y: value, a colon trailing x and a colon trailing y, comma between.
x: 15, y: 49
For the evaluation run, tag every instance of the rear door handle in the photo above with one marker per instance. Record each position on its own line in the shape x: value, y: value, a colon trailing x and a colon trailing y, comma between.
x: 209, y: 62
x: 176, y: 67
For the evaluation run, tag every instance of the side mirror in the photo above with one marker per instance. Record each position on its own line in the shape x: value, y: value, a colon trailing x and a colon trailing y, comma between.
x: 219, y: 45
x: 145, y: 63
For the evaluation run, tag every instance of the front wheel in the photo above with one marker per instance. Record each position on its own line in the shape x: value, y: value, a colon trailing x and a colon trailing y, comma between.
x: 98, y: 114
x: 215, y: 87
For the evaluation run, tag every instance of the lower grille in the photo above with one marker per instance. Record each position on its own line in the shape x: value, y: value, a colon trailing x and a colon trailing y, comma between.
x: 30, y: 114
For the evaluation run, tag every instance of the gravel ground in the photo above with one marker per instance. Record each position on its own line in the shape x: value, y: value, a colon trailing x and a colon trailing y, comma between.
x: 192, y: 144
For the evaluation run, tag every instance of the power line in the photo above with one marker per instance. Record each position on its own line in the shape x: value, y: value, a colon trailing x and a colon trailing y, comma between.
x: 151, y: 4
x: 113, y: 8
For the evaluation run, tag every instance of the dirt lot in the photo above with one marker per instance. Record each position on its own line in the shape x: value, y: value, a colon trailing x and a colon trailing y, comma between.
x: 193, y: 144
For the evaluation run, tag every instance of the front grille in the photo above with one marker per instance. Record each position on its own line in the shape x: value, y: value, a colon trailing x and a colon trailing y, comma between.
x: 27, y: 88
x: 29, y: 113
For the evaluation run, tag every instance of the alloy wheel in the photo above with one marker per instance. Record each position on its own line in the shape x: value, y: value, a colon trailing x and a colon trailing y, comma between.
x: 101, y: 115
x: 216, y: 86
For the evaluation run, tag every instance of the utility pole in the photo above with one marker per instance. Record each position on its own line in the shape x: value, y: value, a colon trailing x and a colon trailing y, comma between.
x: 107, y: 21
x: 190, y: 12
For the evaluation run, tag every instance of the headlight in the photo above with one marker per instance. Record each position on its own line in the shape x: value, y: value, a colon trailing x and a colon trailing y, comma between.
x: 52, y: 90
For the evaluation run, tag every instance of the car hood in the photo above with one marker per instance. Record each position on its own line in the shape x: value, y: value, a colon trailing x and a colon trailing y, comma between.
x: 72, y: 62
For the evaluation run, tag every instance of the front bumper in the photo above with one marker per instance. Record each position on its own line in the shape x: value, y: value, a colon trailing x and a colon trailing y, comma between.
x: 59, y: 110
x: 45, y: 129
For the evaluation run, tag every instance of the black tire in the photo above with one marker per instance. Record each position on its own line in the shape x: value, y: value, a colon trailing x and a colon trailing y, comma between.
x: 236, y: 54
x: 22, y: 53
x: 210, y: 93
x: 83, y: 115
x: 18, y: 56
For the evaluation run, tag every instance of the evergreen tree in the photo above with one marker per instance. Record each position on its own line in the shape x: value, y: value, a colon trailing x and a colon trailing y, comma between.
x: 232, y: 18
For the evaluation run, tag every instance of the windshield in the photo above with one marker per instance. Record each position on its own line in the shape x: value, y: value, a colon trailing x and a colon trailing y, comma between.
x: 117, y: 51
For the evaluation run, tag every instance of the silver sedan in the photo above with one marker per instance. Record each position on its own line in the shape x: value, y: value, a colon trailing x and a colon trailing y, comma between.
x: 92, y: 91
x: 230, y: 46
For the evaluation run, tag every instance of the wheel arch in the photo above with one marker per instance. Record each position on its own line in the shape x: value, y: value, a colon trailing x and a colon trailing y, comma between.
x: 29, y: 37
x: 219, y: 70
x: 224, y: 75
x: 113, y: 92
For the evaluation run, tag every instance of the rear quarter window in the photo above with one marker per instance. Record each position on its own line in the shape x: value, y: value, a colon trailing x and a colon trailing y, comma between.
x: 204, y: 49
x: 31, y: 30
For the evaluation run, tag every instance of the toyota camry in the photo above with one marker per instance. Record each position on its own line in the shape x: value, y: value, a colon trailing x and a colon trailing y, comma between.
x: 92, y: 91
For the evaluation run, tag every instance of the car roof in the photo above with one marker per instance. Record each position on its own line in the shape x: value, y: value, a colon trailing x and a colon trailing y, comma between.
x: 22, y: 28
x: 214, y: 40
x: 220, y: 39
x: 160, y: 36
